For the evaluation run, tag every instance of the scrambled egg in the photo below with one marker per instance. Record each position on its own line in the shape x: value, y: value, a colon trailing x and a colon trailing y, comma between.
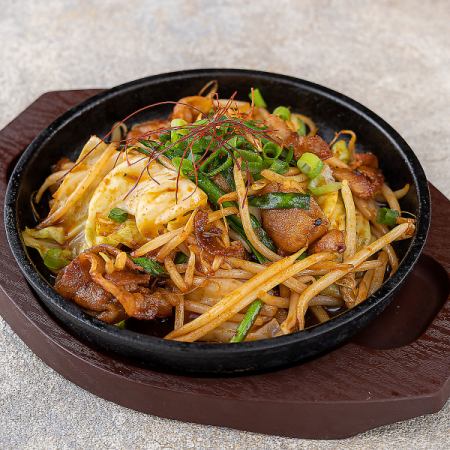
x: 334, y: 209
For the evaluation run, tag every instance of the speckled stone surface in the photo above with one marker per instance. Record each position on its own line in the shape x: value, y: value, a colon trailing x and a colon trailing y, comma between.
x: 392, y: 56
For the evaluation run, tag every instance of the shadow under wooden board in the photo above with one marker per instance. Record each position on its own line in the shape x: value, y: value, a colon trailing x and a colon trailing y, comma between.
x: 397, y: 368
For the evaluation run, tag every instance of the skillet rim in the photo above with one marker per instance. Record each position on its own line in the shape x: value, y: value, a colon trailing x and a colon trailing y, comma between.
x: 145, y: 342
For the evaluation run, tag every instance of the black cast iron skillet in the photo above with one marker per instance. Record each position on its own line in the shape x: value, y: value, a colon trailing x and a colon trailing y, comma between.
x: 331, y: 111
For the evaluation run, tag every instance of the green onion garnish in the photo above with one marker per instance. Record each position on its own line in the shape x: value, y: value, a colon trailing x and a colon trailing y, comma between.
x: 248, y: 155
x: 318, y: 186
x: 310, y: 164
x: 257, y: 99
x: 176, y: 134
x: 279, y: 166
x: 151, y: 266
x: 280, y: 200
x: 118, y: 215
x: 55, y: 258
x: 180, y: 258
x: 247, y: 322
x: 288, y: 155
x: 282, y: 112
x: 341, y: 150
x: 387, y: 216
x: 213, y: 166
x: 301, y: 127
x: 271, y: 151
x: 121, y: 324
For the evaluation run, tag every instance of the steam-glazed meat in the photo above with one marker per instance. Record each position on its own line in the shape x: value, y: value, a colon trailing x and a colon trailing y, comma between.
x: 208, y: 238
x: 144, y: 130
x: 110, y: 297
x: 278, y: 128
x: 292, y: 229
x: 364, y: 159
x: 188, y: 108
x: 311, y: 144
x: 333, y: 241
x: 301, y: 144
x: 364, y: 182
x: 74, y: 283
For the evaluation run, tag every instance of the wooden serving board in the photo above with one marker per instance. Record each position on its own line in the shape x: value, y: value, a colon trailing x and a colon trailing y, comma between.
x: 397, y: 368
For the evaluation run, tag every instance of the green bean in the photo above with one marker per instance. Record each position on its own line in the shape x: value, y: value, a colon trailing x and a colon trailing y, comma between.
x: 280, y: 200
x: 247, y: 322
x: 150, y: 266
x: 387, y: 216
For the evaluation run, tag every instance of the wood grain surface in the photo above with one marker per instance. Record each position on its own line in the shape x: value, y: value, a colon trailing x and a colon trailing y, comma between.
x: 397, y: 368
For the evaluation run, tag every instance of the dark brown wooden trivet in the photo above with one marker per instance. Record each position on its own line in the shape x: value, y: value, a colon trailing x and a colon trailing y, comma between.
x: 397, y: 368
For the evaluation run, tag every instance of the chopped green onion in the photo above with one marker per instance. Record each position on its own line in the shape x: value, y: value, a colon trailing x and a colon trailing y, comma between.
x: 187, y: 169
x: 310, y: 164
x: 56, y: 259
x: 121, y: 324
x: 271, y: 151
x: 257, y: 98
x: 280, y: 200
x: 178, y: 123
x: 164, y: 137
x: 248, y: 155
x: 289, y: 155
x: 180, y: 258
x: 148, y: 144
x: 151, y: 266
x: 213, y: 158
x: 118, y: 215
x: 317, y: 189
x: 202, y: 144
x: 238, y: 142
x: 247, y: 322
x: 301, y: 127
x: 282, y: 112
x: 254, y: 167
x: 201, y: 122
x: 341, y: 150
x: 387, y: 216
x: 176, y: 134
x: 279, y: 166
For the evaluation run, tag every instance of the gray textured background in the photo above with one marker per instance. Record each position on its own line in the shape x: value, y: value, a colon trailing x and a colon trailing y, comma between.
x: 392, y: 56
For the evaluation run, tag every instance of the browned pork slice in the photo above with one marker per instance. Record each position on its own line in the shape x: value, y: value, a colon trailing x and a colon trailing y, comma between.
x: 311, y: 144
x: 364, y: 181
x: 333, y: 241
x: 148, y: 130
x: 301, y: 144
x: 74, y: 283
x: 364, y: 159
x: 208, y: 238
x: 189, y: 108
x: 111, y: 297
x: 292, y: 229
